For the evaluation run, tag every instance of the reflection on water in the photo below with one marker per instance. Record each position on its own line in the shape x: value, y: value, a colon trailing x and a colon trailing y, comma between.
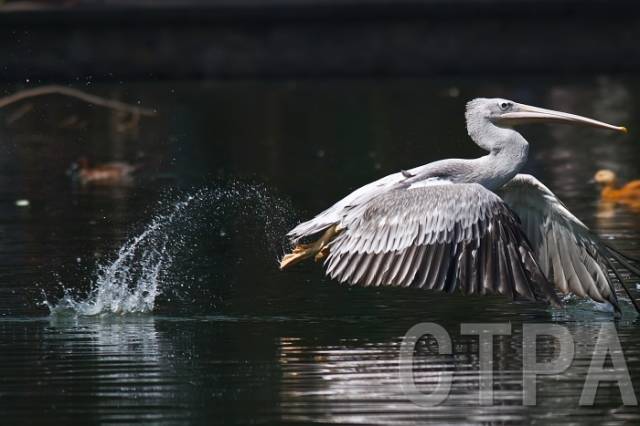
x: 233, y: 340
x: 357, y: 382
x: 145, y: 368
x: 110, y: 368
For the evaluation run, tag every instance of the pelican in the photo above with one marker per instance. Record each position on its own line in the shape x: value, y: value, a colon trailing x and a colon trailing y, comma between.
x: 477, y: 225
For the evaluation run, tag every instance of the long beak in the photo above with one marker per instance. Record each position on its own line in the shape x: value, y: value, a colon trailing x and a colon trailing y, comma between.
x: 527, y: 114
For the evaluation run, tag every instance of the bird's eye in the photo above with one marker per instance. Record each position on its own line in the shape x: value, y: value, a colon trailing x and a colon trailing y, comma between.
x: 505, y: 105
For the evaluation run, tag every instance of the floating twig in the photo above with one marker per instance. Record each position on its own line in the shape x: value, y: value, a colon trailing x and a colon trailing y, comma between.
x: 19, y: 113
x: 79, y: 94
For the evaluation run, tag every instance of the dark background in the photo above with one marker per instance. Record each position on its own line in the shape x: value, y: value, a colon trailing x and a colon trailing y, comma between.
x: 271, y: 111
x: 110, y: 40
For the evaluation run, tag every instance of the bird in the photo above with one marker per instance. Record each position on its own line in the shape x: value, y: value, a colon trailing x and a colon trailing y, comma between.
x: 612, y: 191
x: 477, y: 225
x: 111, y: 173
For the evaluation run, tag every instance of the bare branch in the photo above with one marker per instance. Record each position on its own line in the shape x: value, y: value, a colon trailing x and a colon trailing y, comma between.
x: 75, y: 93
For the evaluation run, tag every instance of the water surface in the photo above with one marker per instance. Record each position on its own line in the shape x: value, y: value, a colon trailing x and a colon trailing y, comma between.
x: 217, y: 334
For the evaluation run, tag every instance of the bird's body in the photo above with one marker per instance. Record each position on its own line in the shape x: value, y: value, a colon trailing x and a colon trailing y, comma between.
x: 112, y: 173
x: 611, y: 190
x: 475, y: 224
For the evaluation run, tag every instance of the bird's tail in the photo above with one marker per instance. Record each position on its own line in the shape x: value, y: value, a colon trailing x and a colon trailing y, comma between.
x: 308, y: 229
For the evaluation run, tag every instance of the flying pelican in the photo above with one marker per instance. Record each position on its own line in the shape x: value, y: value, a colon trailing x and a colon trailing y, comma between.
x: 477, y: 225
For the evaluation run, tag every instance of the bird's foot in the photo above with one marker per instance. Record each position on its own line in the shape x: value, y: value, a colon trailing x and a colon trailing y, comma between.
x: 301, y: 248
x: 319, y: 250
x: 322, y: 254
x: 296, y: 256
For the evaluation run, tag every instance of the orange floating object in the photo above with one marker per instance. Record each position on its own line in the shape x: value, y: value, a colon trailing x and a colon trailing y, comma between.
x: 611, y: 190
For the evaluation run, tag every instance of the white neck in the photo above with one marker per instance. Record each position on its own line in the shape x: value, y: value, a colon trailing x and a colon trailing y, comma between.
x: 508, y: 152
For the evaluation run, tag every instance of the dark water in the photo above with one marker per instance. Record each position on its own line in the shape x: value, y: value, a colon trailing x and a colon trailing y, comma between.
x: 229, y: 338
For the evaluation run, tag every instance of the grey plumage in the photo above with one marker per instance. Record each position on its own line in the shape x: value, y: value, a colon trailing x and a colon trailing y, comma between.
x: 473, y: 225
x: 568, y: 253
x: 440, y: 237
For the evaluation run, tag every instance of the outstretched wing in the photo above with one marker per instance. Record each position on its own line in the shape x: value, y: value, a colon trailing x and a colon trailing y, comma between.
x: 440, y: 237
x: 570, y: 256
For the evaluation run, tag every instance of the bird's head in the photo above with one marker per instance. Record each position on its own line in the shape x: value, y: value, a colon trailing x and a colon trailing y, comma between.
x: 506, y: 113
x: 605, y: 177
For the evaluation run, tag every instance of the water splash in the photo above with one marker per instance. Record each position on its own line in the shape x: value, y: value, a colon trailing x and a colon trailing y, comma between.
x: 130, y: 283
x: 142, y: 269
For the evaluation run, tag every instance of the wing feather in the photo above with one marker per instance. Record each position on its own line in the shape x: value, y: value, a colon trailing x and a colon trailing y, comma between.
x: 442, y: 237
x: 569, y: 255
